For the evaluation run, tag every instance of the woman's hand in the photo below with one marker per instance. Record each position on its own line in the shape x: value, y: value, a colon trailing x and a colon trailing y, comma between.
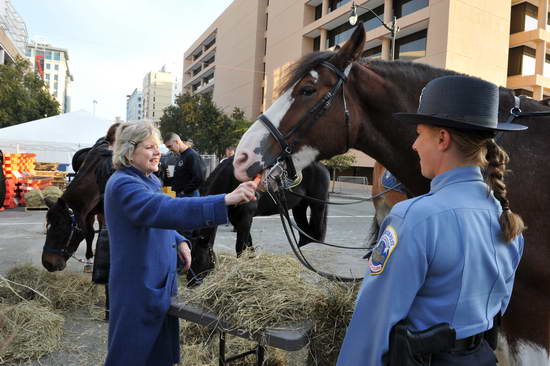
x: 185, y: 255
x: 245, y: 192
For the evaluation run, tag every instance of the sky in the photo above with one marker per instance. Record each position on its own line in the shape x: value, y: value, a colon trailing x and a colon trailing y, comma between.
x: 113, y: 44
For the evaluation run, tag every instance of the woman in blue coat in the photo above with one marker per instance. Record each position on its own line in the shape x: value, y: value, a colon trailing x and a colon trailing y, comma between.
x: 447, y: 258
x: 142, y: 224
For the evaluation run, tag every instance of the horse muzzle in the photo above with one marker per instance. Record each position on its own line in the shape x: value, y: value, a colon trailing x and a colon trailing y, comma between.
x: 53, y: 262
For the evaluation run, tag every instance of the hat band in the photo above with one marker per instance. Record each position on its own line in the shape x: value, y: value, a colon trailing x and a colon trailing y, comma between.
x: 486, y: 120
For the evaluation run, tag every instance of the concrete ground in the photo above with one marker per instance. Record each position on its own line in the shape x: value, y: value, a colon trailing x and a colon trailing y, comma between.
x: 22, y: 238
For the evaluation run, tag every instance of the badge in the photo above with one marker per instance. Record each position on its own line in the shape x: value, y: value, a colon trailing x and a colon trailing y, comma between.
x: 381, y: 254
x: 180, y: 163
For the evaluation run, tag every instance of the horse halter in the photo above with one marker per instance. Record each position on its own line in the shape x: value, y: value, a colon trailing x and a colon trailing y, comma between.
x: 305, y: 124
x: 65, y: 250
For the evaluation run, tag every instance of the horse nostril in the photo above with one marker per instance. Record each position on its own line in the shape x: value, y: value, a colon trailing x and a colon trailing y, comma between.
x: 241, y: 158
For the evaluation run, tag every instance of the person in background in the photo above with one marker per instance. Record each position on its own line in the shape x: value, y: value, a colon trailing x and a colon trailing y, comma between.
x: 229, y: 152
x: 443, y: 269
x: 189, y: 173
x: 142, y: 225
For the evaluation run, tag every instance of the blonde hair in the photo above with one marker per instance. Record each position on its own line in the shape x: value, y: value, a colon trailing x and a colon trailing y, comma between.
x: 482, y: 150
x: 128, y: 135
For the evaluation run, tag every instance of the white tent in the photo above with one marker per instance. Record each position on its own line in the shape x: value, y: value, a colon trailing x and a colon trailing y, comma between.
x: 54, y: 139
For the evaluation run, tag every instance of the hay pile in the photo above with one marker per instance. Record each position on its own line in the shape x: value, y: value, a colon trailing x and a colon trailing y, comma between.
x: 31, y: 301
x: 267, y: 291
x: 52, y: 193
x: 34, y: 198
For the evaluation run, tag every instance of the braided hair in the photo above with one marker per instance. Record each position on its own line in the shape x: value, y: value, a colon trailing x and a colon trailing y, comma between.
x: 481, y: 149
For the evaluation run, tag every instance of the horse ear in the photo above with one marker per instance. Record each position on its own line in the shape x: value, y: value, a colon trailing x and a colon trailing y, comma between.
x: 352, y: 49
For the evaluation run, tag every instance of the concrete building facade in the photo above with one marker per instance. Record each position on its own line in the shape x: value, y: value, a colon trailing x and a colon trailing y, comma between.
x: 157, y: 94
x: 52, y: 65
x: 134, y: 106
x: 13, y: 33
x: 242, y: 57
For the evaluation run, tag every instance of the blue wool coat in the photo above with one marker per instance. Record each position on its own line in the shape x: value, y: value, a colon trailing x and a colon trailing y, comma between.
x: 142, y: 222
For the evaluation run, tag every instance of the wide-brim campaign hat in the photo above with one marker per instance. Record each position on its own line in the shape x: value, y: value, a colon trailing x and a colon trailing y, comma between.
x: 459, y: 102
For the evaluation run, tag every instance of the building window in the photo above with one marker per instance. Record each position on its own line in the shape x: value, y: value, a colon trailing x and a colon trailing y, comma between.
x: 57, y: 56
x: 48, y: 66
x: 55, y: 77
x: 524, y: 17
x: 411, y: 47
x: 406, y: 7
x: 317, y: 43
x: 48, y: 55
x: 153, y: 114
x: 28, y: 52
x: 344, y: 31
x: 265, y: 46
x: 56, y: 67
x: 522, y: 61
x: 372, y: 53
x: 318, y: 11
x: 55, y: 85
x: 47, y: 76
x: 197, y: 70
x: 266, y: 20
x: 335, y: 4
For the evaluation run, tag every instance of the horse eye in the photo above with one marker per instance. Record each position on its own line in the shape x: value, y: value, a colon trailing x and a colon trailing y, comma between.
x: 307, y: 91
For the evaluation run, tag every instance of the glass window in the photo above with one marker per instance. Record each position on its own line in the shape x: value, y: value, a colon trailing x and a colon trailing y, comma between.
x: 524, y: 17
x: 55, y: 77
x: 344, y: 31
x: 56, y: 67
x: 47, y: 76
x: 57, y: 56
x: 48, y: 66
x: 371, y: 53
x: 318, y: 11
x: 335, y: 4
x: 317, y: 43
x: 55, y: 85
x: 406, y: 7
x: 48, y: 55
x: 411, y: 47
x: 28, y: 52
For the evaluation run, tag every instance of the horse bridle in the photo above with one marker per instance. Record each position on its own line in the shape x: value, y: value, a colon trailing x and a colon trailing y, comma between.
x: 65, y: 250
x: 306, y: 123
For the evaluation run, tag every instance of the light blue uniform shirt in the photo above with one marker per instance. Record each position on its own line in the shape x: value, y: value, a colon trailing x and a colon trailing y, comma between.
x: 440, y: 258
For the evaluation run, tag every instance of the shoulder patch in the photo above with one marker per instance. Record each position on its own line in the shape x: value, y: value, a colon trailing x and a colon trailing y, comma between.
x: 381, y: 254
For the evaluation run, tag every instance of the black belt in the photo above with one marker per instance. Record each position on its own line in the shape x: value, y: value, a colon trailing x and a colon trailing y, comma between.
x: 466, y: 344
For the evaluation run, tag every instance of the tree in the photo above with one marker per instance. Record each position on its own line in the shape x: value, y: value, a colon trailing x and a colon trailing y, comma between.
x: 23, y: 95
x: 197, y: 118
x: 339, y: 163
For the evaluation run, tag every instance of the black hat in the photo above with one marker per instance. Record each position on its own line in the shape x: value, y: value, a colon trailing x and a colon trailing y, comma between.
x: 459, y: 102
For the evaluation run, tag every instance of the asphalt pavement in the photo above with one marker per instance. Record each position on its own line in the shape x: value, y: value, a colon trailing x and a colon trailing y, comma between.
x: 22, y: 236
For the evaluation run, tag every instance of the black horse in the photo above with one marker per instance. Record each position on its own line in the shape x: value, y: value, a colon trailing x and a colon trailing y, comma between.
x: 315, y: 183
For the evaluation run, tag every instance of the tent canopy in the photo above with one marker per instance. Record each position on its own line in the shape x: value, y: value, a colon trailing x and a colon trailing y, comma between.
x: 54, y: 139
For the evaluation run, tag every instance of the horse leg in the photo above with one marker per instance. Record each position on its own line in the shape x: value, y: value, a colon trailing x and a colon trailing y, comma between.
x: 300, y: 216
x: 107, y: 301
x: 89, y: 234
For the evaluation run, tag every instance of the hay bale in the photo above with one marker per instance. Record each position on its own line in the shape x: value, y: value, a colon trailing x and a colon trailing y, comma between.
x: 52, y: 193
x: 65, y: 291
x: 28, y: 332
x: 34, y: 198
x: 268, y: 291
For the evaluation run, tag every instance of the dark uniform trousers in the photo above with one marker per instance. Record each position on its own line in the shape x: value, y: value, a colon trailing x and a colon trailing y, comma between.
x: 481, y: 355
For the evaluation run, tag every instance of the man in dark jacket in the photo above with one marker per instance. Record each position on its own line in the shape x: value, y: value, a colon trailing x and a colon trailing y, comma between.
x: 189, y: 171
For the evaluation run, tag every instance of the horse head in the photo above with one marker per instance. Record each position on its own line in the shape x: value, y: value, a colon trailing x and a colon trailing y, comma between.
x: 61, y: 231
x: 294, y: 128
x: 203, y: 259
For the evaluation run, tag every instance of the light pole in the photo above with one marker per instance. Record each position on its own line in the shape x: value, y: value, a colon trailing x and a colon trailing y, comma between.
x: 393, y: 28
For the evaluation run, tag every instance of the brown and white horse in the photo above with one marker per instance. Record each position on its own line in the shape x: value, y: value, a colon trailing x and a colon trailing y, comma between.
x: 328, y: 108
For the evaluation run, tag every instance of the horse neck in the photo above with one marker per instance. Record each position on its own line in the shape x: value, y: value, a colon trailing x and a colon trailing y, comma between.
x: 380, y: 135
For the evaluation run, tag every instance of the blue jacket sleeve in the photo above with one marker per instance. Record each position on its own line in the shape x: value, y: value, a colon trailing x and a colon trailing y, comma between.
x: 151, y: 209
x: 391, y: 283
x: 510, y: 280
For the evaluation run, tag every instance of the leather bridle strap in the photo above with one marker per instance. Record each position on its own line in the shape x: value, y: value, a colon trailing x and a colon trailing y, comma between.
x: 308, y: 120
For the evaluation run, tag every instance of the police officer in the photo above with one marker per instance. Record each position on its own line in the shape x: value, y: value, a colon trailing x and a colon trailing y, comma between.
x: 189, y: 173
x: 447, y: 258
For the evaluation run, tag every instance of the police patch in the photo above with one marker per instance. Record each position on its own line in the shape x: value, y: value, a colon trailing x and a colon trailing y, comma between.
x: 383, y: 251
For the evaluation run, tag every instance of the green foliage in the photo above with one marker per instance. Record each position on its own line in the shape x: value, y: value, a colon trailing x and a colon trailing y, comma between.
x: 197, y: 118
x: 23, y: 95
x: 339, y: 163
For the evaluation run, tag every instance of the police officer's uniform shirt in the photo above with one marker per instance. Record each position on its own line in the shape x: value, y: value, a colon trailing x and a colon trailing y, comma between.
x: 440, y: 258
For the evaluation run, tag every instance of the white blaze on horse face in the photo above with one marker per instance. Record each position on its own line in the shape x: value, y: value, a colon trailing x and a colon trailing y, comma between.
x: 250, y: 142
x: 315, y: 75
